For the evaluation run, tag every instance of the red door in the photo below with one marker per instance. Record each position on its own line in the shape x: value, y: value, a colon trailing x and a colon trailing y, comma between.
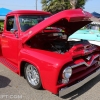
x: 9, y: 41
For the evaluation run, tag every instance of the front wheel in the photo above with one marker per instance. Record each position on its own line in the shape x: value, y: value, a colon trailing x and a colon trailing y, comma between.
x: 32, y: 76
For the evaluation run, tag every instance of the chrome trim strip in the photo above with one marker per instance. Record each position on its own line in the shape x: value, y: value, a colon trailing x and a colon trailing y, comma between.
x: 84, y: 63
x: 67, y: 90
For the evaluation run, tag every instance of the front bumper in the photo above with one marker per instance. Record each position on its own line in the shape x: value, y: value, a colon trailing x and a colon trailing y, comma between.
x: 67, y: 90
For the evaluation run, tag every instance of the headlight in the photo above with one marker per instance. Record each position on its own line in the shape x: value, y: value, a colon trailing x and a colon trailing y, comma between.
x: 67, y: 73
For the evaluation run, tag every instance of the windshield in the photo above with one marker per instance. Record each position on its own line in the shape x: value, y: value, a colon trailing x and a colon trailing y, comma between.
x: 27, y: 21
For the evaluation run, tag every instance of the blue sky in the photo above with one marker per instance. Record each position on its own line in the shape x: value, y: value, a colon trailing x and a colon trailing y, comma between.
x: 91, y: 5
x: 20, y: 4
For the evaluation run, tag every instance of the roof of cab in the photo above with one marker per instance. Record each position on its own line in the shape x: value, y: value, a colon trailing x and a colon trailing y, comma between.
x: 29, y: 12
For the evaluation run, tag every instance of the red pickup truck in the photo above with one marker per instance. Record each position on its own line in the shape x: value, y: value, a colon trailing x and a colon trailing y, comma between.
x: 34, y: 45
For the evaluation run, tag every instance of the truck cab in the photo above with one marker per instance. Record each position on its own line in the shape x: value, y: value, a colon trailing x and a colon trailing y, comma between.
x: 34, y: 44
x: 16, y: 23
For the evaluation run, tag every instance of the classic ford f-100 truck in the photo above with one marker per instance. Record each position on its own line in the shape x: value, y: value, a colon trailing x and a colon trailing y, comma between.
x: 34, y: 45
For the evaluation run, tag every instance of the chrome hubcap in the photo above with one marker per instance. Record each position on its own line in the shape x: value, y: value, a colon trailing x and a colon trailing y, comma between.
x: 32, y: 75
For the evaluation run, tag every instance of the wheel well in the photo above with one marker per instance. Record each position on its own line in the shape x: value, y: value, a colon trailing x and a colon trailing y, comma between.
x: 22, y: 66
x: 23, y: 63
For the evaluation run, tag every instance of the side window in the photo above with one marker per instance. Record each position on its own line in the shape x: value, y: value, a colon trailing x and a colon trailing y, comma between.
x: 11, y: 23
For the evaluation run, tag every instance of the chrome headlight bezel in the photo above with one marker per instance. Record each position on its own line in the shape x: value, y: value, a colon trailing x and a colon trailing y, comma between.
x: 67, y: 72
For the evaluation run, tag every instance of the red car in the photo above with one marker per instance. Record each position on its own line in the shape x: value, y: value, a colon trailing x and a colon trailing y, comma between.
x: 34, y: 44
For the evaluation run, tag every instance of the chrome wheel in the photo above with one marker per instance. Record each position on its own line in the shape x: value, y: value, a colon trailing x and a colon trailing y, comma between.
x: 32, y: 75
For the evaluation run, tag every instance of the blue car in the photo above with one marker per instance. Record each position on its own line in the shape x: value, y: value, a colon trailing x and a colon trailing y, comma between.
x: 93, y: 36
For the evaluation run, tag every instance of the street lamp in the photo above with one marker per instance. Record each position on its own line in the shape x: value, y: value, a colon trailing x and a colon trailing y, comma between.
x: 73, y: 3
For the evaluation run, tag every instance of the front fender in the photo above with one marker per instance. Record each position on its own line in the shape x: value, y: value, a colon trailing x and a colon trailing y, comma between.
x: 49, y: 69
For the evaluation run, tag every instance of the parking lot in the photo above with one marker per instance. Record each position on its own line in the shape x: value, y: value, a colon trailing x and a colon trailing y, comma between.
x: 14, y: 87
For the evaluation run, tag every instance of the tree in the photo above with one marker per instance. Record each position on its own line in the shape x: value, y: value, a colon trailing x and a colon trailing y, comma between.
x: 73, y: 3
x: 55, y: 6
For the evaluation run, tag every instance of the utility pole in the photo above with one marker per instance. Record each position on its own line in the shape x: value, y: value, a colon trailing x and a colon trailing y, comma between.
x: 36, y: 4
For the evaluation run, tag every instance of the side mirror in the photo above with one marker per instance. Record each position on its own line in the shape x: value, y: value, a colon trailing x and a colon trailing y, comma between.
x: 13, y: 31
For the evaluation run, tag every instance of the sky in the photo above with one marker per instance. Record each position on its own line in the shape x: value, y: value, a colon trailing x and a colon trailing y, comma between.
x: 90, y: 6
x: 20, y: 4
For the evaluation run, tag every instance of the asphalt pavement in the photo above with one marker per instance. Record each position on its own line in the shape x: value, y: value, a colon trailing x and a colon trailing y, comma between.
x: 14, y: 87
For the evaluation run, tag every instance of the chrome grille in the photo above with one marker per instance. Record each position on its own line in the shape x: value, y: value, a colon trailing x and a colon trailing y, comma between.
x: 82, y: 70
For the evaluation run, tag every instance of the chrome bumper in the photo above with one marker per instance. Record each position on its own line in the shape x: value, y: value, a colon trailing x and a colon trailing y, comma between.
x: 67, y: 90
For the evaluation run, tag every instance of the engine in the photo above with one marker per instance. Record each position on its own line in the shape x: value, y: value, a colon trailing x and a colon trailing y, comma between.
x: 54, y: 42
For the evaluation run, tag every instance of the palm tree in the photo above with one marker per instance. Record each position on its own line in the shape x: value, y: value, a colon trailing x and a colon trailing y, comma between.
x: 55, y: 6
x: 73, y: 3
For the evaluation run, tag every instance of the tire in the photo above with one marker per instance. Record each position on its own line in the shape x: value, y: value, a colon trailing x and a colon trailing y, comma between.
x: 32, y: 76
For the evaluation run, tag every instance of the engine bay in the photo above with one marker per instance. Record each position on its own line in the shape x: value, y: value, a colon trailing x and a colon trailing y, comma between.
x: 53, y: 41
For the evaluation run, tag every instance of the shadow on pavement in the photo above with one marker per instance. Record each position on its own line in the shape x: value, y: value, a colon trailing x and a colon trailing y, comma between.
x: 4, y: 81
x: 82, y: 89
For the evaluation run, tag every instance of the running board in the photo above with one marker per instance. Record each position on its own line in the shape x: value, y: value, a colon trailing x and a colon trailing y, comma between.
x: 9, y: 64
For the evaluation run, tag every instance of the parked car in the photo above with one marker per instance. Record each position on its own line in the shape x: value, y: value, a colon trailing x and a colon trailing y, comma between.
x: 92, y: 36
x: 33, y: 45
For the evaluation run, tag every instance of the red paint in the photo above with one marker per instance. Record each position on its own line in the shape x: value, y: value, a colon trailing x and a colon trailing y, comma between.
x: 49, y: 64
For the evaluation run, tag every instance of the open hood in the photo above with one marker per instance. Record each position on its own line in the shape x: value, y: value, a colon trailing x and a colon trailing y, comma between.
x: 70, y: 20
